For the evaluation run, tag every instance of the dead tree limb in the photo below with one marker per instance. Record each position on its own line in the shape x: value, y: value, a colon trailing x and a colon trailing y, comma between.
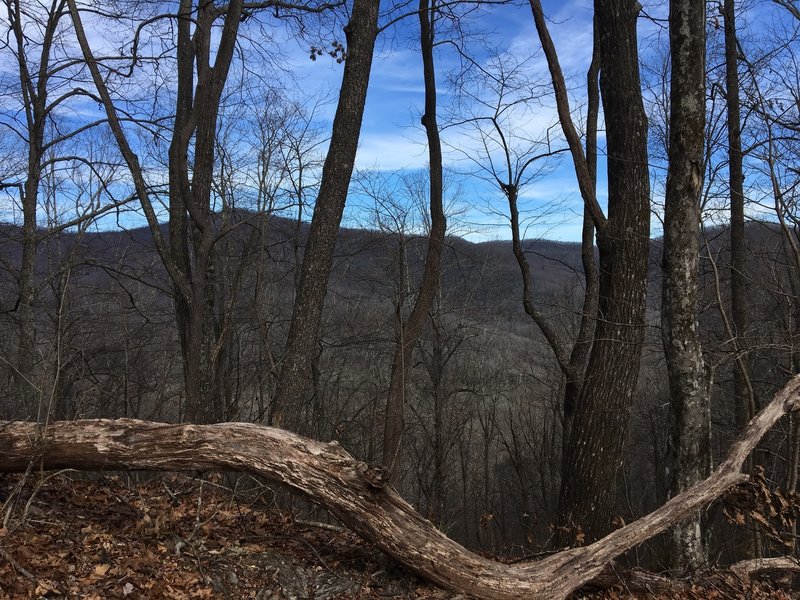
x: 357, y: 494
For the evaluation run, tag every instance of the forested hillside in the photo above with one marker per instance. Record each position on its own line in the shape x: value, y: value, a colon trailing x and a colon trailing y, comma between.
x: 484, y: 416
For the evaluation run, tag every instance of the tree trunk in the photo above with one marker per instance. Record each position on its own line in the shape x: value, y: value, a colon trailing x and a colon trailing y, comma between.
x: 744, y: 401
x: 600, y: 423
x: 187, y: 257
x: 688, y: 380
x: 303, y: 341
x: 428, y: 288
x: 356, y: 494
x: 34, y: 91
x: 581, y: 351
x: 202, y: 75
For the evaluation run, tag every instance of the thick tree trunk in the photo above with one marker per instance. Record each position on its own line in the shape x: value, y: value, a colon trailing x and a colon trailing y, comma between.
x: 356, y: 493
x: 303, y: 343
x: 600, y: 422
x: 429, y: 287
x: 688, y: 380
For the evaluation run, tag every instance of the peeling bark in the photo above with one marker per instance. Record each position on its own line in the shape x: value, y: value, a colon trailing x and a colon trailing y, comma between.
x: 357, y: 494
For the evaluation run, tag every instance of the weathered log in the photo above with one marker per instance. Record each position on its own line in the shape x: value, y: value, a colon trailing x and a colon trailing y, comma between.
x: 330, y: 477
x: 747, y: 569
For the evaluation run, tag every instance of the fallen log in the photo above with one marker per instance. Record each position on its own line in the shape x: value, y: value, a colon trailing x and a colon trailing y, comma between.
x: 357, y: 494
x: 747, y: 569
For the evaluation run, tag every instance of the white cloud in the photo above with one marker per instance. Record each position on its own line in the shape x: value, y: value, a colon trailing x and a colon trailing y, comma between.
x: 391, y: 151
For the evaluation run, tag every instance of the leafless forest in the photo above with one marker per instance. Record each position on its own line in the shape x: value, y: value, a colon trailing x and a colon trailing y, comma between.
x: 185, y: 239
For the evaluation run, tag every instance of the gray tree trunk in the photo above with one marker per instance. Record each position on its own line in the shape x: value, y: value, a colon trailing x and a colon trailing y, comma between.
x: 688, y: 378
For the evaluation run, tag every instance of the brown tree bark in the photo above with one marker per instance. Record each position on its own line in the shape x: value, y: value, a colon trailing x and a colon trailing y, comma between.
x: 689, y: 381
x: 600, y: 422
x: 410, y: 331
x: 356, y: 493
x: 597, y: 418
x: 303, y: 343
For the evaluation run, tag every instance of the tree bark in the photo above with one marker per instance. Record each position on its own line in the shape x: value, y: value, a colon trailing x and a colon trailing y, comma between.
x: 744, y: 401
x: 303, y: 342
x: 356, y: 493
x: 688, y: 379
x: 600, y: 422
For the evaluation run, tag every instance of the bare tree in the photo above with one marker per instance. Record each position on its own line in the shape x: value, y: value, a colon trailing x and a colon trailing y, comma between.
x: 594, y: 451
x: 302, y: 345
x: 46, y: 89
x: 514, y: 159
x: 410, y: 331
x: 202, y: 68
x: 741, y: 384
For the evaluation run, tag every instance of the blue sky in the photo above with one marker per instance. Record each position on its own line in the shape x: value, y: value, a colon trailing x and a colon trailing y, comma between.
x: 392, y: 139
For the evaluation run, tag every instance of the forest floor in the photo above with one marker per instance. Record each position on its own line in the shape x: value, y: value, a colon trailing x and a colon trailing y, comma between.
x: 68, y: 536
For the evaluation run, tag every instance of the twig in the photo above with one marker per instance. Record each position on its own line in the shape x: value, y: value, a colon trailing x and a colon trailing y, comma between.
x: 318, y: 525
x: 11, y: 500
x: 16, y: 566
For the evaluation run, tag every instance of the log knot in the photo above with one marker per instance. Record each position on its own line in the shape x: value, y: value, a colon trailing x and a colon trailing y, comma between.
x: 375, y: 476
x: 792, y: 404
